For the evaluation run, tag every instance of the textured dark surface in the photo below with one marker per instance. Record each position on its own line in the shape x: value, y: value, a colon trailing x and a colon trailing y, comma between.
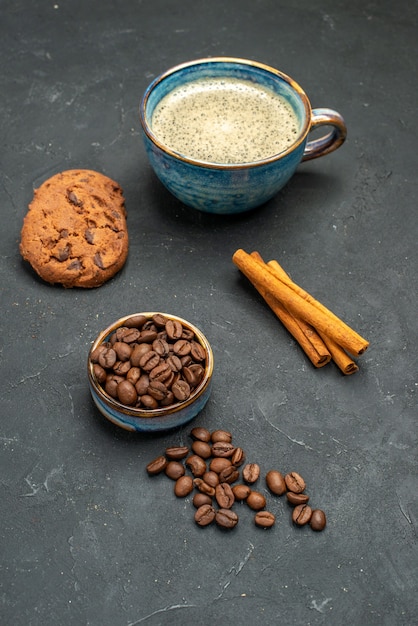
x: 87, y: 538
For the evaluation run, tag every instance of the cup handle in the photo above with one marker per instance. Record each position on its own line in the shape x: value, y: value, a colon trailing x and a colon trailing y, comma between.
x: 329, y: 142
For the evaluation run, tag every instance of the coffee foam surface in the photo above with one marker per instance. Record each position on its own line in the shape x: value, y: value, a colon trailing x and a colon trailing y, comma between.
x: 225, y: 120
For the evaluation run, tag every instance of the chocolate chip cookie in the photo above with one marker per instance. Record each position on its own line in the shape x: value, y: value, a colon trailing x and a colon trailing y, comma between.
x: 75, y: 231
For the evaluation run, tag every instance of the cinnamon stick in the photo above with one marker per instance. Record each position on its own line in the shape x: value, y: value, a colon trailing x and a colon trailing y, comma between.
x: 321, y: 318
x: 306, y: 336
x: 340, y: 356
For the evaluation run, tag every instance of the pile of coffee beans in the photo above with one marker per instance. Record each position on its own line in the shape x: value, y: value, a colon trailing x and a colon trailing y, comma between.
x: 218, y: 475
x: 150, y: 362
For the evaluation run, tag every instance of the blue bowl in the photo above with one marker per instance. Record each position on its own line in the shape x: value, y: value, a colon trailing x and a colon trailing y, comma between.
x: 233, y: 188
x: 151, y: 420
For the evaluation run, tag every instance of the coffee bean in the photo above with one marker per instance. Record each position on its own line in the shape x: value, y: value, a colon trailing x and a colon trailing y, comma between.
x: 275, y: 482
x: 201, y: 498
x: 161, y: 372
x: 176, y: 453
x: 107, y: 358
x: 161, y: 346
x: 122, y: 368
x: 174, y: 470
x: 297, y: 498
x: 241, y: 492
x: 201, y: 448
x: 196, y: 465
x: 318, y: 520
x: 218, y: 464
x: 238, y: 457
x: 203, y: 487
x: 136, y: 321
x: 148, y: 402
x: 295, y: 482
x: 229, y: 474
x: 205, y: 515
x: 129, y: 335
x: 94, y: 356
x: 222, y: 449
x: 157, y: 390
x: 159, y: 320
x: 224, y: 496
x: 225, y: 518
x: 200, y: 433
x: 256, y: 500
x: 197, y: 351
x: 138, y: 352
x: 149, y: 360
x: 148, y: 355
x: 193, y: 373
x: 111, y: 384
x: 211, y: 478
x: 133, y: 375
x: 181, y: 390
x: 123, y: 350
x: 264, y: 519
x: 183, y: 486
x: 157, y: 465
x: 99, y: 373
x: 221, y: 435
x: 301, y: 514
x: 182, y: 347
x: 251, y: 473
x: 174, y: 329
x: 148, y: 335
x: 127, y: 393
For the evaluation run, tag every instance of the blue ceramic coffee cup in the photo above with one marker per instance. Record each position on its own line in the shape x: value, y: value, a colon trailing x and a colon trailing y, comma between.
x: 225, y: 187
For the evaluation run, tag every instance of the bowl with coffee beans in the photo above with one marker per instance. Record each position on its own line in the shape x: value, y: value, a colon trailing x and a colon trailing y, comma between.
x: 150, y: 372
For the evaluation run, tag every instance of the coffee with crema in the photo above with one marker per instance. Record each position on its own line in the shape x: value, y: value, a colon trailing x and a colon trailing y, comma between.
x: 225, y: 120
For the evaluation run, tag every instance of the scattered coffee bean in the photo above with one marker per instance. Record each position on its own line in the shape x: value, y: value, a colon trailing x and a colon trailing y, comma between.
x: 201, y: 434
x: 221, y: 435
x: 196, y: 465
x: 183, y: 486
x: 225, y: 518
x: 214, y: 465
x: 256, y: 500
x: 201, y: 448
x: 176, y: 453
x: 157, y: 465
x: 205, y: 515
x: 218, y: 464
x: 201, y: 498
x: 275, y: 482
x: 160, y: 378
x: 264, y: 519
x: 302, y: 514
x: 222, y: 449
x: 211, y: 478
x: 251, y: 473
x: 224, y: 495
x: 200, y: 484
x: 241, y: 492
x: 174, y: 469
x: 229, y: 474
x: 318, y: 520
x: 295, y: 482
x: 297, y: 498
x: 238, y: 457
x: 127, y: 393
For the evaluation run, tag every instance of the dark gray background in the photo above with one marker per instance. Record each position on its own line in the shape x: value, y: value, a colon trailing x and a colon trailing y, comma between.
x: 87, y: 538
